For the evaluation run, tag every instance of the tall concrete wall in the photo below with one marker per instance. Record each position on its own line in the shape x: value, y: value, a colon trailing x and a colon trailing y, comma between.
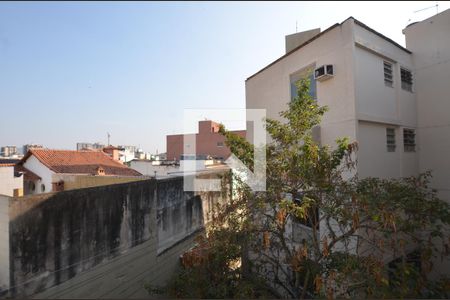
x: 4, y: 243
x: 98, y: 242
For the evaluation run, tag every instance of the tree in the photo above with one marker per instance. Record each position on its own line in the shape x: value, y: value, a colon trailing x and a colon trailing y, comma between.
x: 321, y: 231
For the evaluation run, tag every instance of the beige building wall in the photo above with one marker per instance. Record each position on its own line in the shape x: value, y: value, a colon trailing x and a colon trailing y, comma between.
x: 361, y: 106
x: 270, y: 88
x: 9, y: 183
x: 380, y: 107
x: 429, y: 41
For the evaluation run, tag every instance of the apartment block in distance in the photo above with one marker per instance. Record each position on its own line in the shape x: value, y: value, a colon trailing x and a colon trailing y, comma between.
x: 209, y: 142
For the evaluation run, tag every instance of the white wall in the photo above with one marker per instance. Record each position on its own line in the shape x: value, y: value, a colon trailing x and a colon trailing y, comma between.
x: 376, y: 101
x: 373, y: 158
x: 35, y: 166
x: 8, y: 182
x: 430, y: 42
x: 4, y: 242
x: 356, y: 93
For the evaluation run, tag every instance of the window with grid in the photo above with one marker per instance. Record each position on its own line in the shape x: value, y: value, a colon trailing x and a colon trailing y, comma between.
x: 407, y: 80
x: 388, y: 77
x: 409, y: 140
x: 390, y: 139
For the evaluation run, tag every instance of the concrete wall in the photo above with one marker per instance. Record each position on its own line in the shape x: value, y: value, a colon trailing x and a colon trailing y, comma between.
x: 429, y: 41
x: 4, y: 243
x: 98, y: 242
x: 8, y: 183
x: 74, y: 181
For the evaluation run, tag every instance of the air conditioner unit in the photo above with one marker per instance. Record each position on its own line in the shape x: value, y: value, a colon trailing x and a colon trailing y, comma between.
x: 323, y: 72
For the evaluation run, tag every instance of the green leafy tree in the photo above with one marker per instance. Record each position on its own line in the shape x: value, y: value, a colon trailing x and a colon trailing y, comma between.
x: 319, y: 230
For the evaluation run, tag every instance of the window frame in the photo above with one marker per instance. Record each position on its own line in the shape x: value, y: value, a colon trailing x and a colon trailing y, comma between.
x: 391, y: 144
x: 409, y: 140
x: 388, y: 66
x: 405, y: 84
x: 306, y: 72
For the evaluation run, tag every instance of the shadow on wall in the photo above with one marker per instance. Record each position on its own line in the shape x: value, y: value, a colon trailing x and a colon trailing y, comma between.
x: 54, y: 237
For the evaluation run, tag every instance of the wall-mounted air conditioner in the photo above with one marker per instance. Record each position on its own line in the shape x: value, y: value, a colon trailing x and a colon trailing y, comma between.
x: 323, y: 72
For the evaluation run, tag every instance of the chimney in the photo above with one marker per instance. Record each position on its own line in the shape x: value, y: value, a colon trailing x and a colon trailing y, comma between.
x: 112, y: 151
x: 208, y: 126
x: 297, y: 39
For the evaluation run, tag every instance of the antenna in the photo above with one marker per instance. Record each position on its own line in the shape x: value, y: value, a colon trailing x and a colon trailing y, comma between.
x: 108, y: 138
x: 428, y: 8
x: 296, y: 26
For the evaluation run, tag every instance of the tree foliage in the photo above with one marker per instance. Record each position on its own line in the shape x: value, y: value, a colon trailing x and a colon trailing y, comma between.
x: 319, y: 230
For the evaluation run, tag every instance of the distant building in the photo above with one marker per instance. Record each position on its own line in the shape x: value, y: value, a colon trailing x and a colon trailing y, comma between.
x: 160, y: 156
x: 11, y: 182
x: 90, y: 146
x: 8, y: 151
x: 28, y: 147
x: 164, y: 168
x: 209, y: 142
x: 127, y: 153
x: 155, y: 168
x: 57, y: 170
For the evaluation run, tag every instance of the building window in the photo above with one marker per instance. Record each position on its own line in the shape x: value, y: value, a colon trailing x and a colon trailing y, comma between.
x: 407, y: 79
x: 219, y: 144
x: 42, y: 187
x: 390, y: 139
x: 388, y: 78
x: 409, y: 140
x: 309, y: 73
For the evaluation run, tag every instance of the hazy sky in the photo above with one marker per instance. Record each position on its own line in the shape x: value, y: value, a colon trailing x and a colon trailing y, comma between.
x: 72, y: 71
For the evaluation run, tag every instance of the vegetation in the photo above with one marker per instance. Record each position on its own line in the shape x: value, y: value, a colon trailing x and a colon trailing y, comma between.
x: 319, y: 230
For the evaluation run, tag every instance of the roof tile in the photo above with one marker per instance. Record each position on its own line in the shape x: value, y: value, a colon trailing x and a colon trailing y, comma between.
x: 80, y: 162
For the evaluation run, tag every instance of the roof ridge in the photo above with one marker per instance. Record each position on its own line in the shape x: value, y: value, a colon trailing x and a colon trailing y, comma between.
x: 323, y: 32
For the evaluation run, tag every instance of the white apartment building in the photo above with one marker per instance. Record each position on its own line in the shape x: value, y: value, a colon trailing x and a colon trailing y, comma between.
x: 394, y: 101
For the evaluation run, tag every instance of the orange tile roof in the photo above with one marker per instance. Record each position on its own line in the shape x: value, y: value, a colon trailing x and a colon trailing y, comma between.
x: 80, y: 162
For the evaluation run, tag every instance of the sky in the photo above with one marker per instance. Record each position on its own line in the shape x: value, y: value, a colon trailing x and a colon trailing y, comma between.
x: 73, y: 71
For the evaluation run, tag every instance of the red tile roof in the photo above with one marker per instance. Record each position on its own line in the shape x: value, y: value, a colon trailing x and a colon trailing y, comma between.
x: 80, y: 162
